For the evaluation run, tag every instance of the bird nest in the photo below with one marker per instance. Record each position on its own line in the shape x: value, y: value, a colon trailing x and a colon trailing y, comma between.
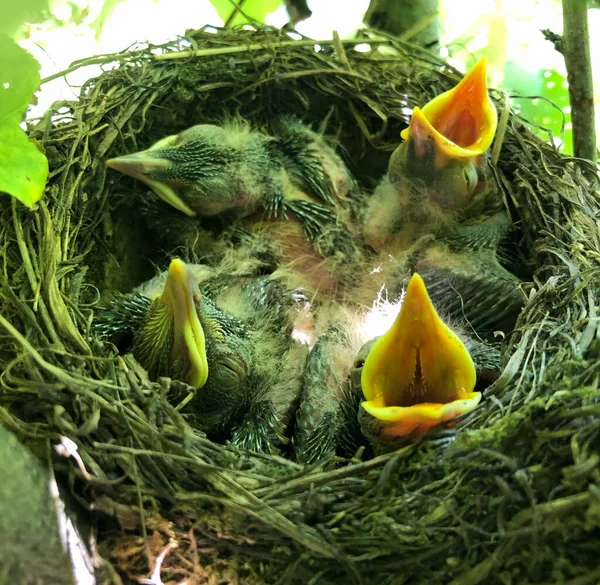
x: 509, y: 495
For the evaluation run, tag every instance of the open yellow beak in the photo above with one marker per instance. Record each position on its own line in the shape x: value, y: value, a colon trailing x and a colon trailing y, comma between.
x: 418, y: 374
x: 460, y: 123
x: 189, y: 344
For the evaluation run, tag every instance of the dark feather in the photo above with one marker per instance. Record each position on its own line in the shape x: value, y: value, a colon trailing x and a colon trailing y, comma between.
x: 297, y: 147
x: 259, y: 428
x: 121, y: 317
x: 320, y: 417
x: 484, y: 235
x: 314, y: 217
x: 475, y: 289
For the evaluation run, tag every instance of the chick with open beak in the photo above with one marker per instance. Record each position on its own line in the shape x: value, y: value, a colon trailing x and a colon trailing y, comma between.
x: 439, y: 175
x: 439, y: 201
x: 388, y: 389
x: 418, y: 374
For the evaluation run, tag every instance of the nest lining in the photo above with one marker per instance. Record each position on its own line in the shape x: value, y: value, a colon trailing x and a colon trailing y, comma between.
x: 509, y: 495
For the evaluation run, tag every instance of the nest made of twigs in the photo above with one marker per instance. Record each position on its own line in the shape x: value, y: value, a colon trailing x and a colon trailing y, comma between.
x: 510, y: 495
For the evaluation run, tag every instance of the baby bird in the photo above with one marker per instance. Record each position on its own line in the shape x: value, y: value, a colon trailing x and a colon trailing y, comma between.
x: 439, y: 201
x: 439, y: 176
x: 417, y: 375
x: 291, y: 189
x: 225, y: 341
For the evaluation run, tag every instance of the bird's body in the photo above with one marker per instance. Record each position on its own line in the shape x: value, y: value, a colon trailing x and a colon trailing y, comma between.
x: 408, y: 347
x: 225, y: 340
x: 439, y: 208
x: 289, y: 201
x: 439, y: 213
x: 290, y: 195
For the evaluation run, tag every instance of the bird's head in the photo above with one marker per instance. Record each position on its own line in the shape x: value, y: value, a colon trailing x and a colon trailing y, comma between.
x: 445, y: 143
x: 418, y: 374
x: 203, y: 170
x: 171, y: 340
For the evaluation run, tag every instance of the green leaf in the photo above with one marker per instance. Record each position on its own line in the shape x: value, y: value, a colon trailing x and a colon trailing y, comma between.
x: 14, y: 13
x: 547, y: 84
x: 19, y: 78
x: 257, y: 9
x: 23, y: 168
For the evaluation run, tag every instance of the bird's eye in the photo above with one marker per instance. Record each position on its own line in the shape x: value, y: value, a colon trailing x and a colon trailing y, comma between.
x: 359, y: 364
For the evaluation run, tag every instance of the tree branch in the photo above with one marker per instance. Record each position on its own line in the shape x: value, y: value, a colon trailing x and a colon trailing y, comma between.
x: 575, y: 47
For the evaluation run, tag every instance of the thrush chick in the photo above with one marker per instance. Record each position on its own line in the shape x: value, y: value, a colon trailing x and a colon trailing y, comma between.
x: 418, y: 374
x: 439, y: 176
x: 440, y: 203
x: 291, y: 189
x: 224, y: 340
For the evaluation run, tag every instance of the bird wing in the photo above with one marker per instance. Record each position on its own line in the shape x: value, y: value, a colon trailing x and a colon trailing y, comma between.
x: 472, y: 287
x: 325, y: 409
x: 118, y: 320
x: 310, y: 162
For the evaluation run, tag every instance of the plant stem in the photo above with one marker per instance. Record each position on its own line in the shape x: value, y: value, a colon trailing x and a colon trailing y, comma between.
x: 576, y: 50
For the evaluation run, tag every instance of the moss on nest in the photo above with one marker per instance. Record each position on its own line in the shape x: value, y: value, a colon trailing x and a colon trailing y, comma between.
x: 509, y: 495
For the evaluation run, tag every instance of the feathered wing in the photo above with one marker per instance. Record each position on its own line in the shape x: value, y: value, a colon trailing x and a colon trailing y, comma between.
x: 466, y: 281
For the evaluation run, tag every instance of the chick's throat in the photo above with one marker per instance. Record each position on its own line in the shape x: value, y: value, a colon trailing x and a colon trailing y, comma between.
x: 419, y: 367
x: 460, y: 123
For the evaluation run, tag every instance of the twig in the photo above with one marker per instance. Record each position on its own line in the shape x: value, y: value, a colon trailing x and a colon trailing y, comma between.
x: 554, y: 38
x: 98, y: 60
x: 31, y: 277
x: 339, y: 49
x: 261, y: 46
x: 501, y: 131
x: 575, y: 46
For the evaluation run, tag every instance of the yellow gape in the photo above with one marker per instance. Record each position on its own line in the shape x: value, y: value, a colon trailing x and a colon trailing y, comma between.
x: 418, y: 374
x: 461, y: 122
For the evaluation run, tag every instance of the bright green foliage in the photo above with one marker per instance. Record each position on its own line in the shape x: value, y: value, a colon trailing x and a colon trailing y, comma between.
x: 13, y: 13
x: 23, y: 168
x: 257, y: 9
x: 545, y: 84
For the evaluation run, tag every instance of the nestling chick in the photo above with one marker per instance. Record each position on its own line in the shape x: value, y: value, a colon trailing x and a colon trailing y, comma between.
x: 439, y: 176
x: 291, y: 189
x: 225, y: 339
x: 415, y: 376
x: 439, y: 202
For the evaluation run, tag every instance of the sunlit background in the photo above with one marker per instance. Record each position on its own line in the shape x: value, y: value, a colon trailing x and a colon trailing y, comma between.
x: 521, y: 61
